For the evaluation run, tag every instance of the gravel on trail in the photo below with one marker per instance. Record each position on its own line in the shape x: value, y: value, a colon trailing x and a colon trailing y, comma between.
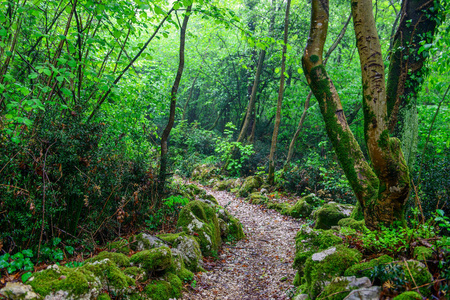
x: 259, y: 267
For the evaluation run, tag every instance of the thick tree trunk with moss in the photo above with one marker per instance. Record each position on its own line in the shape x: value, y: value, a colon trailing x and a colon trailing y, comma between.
x: 381, y: 188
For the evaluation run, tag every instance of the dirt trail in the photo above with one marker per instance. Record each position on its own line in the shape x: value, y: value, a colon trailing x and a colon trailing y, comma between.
x: 259, y: 267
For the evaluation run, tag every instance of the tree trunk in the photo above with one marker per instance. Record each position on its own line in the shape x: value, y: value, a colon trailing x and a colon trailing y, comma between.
x: 273, y: 146
x: 173, y: 102
x: 308, y: 98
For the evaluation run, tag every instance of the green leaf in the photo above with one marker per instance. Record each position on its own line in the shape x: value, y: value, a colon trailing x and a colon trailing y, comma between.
x: 26, y: 276
x: 24, y: 90
x: 158, y: 10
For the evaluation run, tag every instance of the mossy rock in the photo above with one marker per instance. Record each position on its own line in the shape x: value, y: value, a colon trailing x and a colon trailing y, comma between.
x: 199, y: 219
x: 136, y: 273
x: 144, y: 241
x: 194, y: 189
x: 329, y: 214
x: 336, y: 290
x: 423, y: 253
x: 257, y: 198
x: 235, y: 230
x: 170, y: 237
x: 104, y: 296
x: 251, y: 184
x: 78, y: 283
x: 353, y: 224
x: 224, y: 185
x: 190, y: 249
x: 302, y: 208
x: 409, y: 296
x: 308, y: 241
x: 203, y: 172
x: 283, y: 208
x: 326, y: 265
x: 165, y: 289
x: 156, y: 259
x: 210, y: 198
x: 419, y: 272
x: 364, y: 269
x: 109, y: 274
x: 121, y: 246
x: 118, y: 258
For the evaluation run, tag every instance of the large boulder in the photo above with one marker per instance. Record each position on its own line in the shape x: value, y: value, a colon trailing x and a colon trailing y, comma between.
x: 200, y: 220
x: 190, y: 251
x: 303, y: 207
x: 144, y: 241
x: 329, y: 214
x: 203, y: 172
x: 250, y: 185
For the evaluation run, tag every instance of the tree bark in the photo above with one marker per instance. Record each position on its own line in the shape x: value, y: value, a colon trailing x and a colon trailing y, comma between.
x: 273, y: 146
x: 173, y: 102
x: 308, y: 98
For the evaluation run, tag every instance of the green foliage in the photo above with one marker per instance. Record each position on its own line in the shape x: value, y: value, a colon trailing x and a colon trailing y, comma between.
x: 233, y: 154
x: 17, y: 262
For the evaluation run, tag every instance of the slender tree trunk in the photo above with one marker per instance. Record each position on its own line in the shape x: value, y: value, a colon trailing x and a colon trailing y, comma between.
x: 173, y: 102
x: 276, y: 128
x: 308, y: 98
x: 251, y: 102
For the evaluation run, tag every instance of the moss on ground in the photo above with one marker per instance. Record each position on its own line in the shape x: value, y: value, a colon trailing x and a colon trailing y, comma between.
x: 329, y: 215
x: 336, y: 290
x: 423, y: 253
x: 122, y: 246
x: 170, y: 237
x: 104, y: 296
x: 409, y: 296
x: 352, y: 223
x: 165, y: 289
x: 250, y: 184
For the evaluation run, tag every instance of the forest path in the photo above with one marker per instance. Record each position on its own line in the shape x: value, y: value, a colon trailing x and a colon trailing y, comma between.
x: 259, y: 267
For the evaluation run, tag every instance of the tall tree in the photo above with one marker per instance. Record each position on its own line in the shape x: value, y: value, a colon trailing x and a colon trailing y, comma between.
x: 381, y: 187
x: 173, y: 103
x: 273, y: 146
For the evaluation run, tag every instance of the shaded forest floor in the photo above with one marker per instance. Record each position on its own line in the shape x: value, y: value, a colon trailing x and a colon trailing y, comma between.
x: 258, y: 267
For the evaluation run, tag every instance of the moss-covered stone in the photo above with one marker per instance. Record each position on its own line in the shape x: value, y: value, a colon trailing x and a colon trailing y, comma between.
x: 199, y: 219
x: 336, y: 290
x: 136, y: 273
x: 352, y: 223
x: 257, y: 198
x: 235, y: 230
x: 191, y: 253
x: 156, y: 259
x: 224, y: 185
x: 75, y: 281
x: 104, y: 296
x: 330, y: 214
x: 121, y: 246
x: 118, y: 258
x: 409, y: 296
x: 165, y: 289
x: 326, y: 265
x: 203, y: 172
x: 195, y: 189
x: 250, y: 184
x: 302, y: 208
x: 210, y: 198
x: 423, y: 253
x: 364, y: 269
x: 309, y: 241
x: 109, y: 274
x: 283, y: 207
x: 144, y: 241
x: 170, y: 237
x: 420, y: 275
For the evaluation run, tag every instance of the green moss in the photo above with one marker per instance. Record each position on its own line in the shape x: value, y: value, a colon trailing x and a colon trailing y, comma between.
x: 317, y: 272
x: 195, y: 189
x: 364, y: 269
x: 297, y: 279
x: 314, y: 58
x: 336, y: 290
x: 420, y: 274
x: 301, y: 209
x: 189, y: 246
x: 199, y: 219
x: 330, y: 214
x: 185, y: 275
x: 352, y: 223
x: 135, y: 273
x: 165, y: 289
x: 74, y: 281
x: 235, y: 231
x: 423, y: 253
x: 211, y: 198
x: 170, y: 237
x: 121, y: 246
x: 409, y: 296
x: 109, y: 274
x: 103, y: 297
x: 250, y: 184
x: 118, y: 258
x: 156, y: 259
x: 257, y: 198
x: 357, y: 212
